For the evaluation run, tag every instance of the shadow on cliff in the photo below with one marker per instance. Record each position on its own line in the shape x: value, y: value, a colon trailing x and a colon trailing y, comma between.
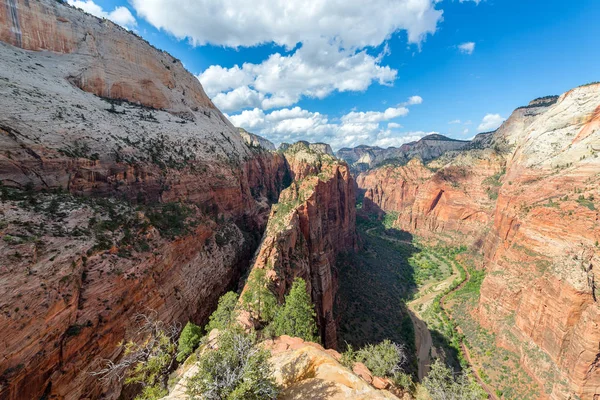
x: 375, y: 284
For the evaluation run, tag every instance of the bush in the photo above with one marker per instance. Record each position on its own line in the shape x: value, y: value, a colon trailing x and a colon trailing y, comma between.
x: 225, y: 313
x: 383, y: 359
x: 236, y: 370
x: 297, y: 316
x: 188, y: 341
x: 404, y: 381
x: 443, y: 385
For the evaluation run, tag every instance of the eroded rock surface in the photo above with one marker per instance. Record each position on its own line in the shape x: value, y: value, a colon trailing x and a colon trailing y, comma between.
x: 313, y: 221
x: 526, y: 196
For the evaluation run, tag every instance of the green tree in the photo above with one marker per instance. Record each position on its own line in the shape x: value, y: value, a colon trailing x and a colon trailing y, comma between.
x: 442, y: 384
x: 236, y: 370
x: 383, y: 359
x: 297, y: 316
x: 188, y: 340
x: 258, y: 299
x: 225, y: 313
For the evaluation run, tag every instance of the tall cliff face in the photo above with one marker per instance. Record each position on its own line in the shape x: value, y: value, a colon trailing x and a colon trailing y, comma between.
x: 143, y: 200
x: 527, y: 198
x: 542, y: 253
x: 313, y: 221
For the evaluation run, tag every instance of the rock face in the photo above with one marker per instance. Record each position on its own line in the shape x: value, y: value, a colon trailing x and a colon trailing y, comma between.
x: 79, y: 261
x: 527, y: 197
x: 255, y: 141
x: 104, y: 59
x: 313, y: 221
x: 363, y: 157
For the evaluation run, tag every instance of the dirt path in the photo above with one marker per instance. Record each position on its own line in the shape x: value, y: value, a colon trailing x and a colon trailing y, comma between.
x: 423, y: 339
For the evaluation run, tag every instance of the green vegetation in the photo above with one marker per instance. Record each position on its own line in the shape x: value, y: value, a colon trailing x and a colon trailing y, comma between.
x: 236, y: 370
x: 443, y: 384
x: 589, y: 202
x: 171, y: 219
x: 374, y: 285
x: 258, y: 299
x: 297, y: 316
x: 146, y: 361
x: 501, y: 368
x: 225, y: 314
x: 190, y: 338
x: 383, y: 359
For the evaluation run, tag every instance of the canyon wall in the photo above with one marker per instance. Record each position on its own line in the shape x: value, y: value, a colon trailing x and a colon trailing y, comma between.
x: 124, y: 191
x: 526, y: 197
x: 313, y: 221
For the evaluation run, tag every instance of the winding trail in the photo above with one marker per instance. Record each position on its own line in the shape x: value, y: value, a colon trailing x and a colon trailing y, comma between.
x: 423, y: 339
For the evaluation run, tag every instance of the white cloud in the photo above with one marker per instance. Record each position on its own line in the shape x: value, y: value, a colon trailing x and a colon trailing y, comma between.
x: 490, y: 122
x: 465, y: 131
x: 336, y: 40
x: 352, y: 129
x: 314, y: 70
x: 120, y: 15
x: 456, y: 121
x: 467, y: 48
x: 414, y: 100
x: 235, y: 23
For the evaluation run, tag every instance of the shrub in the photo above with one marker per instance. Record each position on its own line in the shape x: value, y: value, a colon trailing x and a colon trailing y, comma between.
x: 225, y: 313
x: 404, y: 381
x: 383, y: 359
x: 297, y: 316
x: 237, y: 369
x: 443, y: 385
x: 146, y: 361
x: 188, y: 340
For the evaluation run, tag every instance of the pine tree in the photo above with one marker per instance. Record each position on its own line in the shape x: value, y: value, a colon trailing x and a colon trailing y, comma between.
x: 297, y: 316
x: 225, y: 313
x: 258, y: 299
x: 188, y: 340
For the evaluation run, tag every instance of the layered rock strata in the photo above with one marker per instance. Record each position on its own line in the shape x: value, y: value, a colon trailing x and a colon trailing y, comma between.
x: 313, y: 221
x: 527, y: 197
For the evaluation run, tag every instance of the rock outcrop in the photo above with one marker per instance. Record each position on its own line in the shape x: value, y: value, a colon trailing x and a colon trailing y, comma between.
x: 313, y: 221
x: 526, y: 197
x: 256, y: 141
x: 124, y: 191
x: 306, y: 370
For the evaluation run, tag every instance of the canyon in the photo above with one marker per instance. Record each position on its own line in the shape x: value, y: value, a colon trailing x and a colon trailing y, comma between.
x: 125, y: 191
x: 526, y: 203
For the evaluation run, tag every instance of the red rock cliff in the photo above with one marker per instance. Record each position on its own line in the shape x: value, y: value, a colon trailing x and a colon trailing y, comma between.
x: 78, y: 260
x: 313, y: 221
x: 539, y: 237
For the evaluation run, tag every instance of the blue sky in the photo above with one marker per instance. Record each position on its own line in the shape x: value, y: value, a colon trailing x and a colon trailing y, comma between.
x: 347, y: 73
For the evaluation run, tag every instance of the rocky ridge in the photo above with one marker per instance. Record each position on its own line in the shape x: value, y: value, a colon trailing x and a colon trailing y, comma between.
x: 313, y: 221
x: 362, y: 158
x: 526, y: 198
x: 305, y: 369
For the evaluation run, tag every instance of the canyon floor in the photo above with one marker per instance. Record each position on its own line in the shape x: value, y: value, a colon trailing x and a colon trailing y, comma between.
x: 423, y: 295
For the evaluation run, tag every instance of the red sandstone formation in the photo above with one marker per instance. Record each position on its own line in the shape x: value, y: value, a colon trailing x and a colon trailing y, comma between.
x: 539, y: 238
x: 313, y: 222
x: 66, y: 300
